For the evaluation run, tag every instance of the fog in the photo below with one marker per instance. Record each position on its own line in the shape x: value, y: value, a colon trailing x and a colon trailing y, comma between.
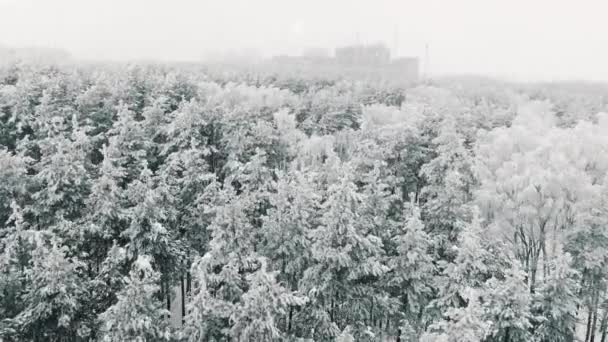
x: 517, y: 39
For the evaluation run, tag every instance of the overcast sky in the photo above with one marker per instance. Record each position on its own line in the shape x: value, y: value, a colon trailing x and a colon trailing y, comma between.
x: 524, y: 39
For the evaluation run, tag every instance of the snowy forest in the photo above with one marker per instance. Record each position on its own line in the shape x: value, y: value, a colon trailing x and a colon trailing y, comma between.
x: 179, y: 203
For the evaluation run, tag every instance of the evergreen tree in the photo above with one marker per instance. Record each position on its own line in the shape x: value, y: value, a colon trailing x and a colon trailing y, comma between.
x: 137, y: 315
x: 109, y: 280
x: 448, y: 191
x: 556, y: 303
x: 220, y: 275
x: 208, y: 315
x: 461, y: 324
x: 257, y: 316
x: 345, y: 255
x: 62, y: 181
x: 412, y: 270
x: 507, y: 303
x: 469, y: 270
x: 53, y: 297
x: 285, y: 231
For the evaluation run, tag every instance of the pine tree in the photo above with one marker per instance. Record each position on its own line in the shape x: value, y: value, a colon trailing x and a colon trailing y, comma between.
x: 220, y: 275
x: 53, y: 297
x: 146, y: 231
x: 256, y: 317
x: 17, y: 243
x: 461, y: 324
x: 286, y: 226
x: 127, y: 136
x: 412, y: 269
x: 137, y: 315
x: 13, y: 171
x: 449, y: 185
x: 470, y: 269
x: 107, y: 197
x: 285, y: 231
x: 507, y: 304
x: 345, y: 257
x: 62, y: 181
x: 208, y: 315
x: 108, y: 281
x: 556, y: 302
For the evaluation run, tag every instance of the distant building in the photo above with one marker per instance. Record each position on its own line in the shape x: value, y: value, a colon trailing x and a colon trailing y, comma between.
x: 377, y: 54
x: 316, y: 53
x: 36, y: 55
x: 407, y: 67
x: 233, y: 56
x: 360, y: 62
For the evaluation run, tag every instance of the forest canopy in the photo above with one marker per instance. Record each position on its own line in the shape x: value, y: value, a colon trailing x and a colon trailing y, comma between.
x: 269, y: 208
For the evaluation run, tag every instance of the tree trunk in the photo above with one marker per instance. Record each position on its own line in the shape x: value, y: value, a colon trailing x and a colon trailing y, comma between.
x: 533, y: 268
x: 188, y: 282
x: 594, y: 323
x: 331, y: 311
x: 168, y: 296
x: 543, y: 246
x: 603, y: 323
x: 181, y: 280
x: 580, y: 292
x: 162, y: 291
x: 371, y: 313
x: 188, y: 277
x: 604, y: 333
x: 589, y: 319
x: 593, y: 327
x: 289, y: 319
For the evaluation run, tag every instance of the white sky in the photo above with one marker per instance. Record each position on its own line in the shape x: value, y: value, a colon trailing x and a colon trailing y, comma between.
x: 524, y: 39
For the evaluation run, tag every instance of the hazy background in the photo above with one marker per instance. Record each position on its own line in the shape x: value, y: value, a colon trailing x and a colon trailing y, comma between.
x: 520, y: 39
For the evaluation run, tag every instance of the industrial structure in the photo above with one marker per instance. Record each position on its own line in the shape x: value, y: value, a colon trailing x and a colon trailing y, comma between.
x: 364, y: 62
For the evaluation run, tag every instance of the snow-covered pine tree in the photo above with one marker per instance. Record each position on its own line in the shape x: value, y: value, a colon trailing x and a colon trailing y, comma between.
x: 449, y: 184
x: 507, y: 305
x: 54, y: 295
x: 345, y: 257
x: 285, y: 229
x: 412, y: 270
x: 556, y: 302
x: 258, y: 314
x: 137, y: 315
